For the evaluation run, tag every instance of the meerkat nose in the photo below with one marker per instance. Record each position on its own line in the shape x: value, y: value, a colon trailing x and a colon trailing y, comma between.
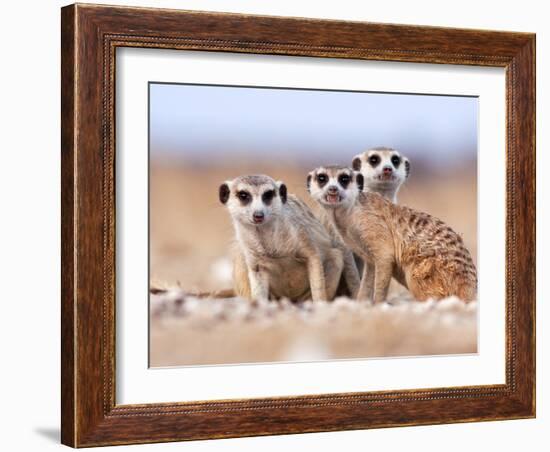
x: 387, y: 170
x: 332, y: 190
x: 258, y: 217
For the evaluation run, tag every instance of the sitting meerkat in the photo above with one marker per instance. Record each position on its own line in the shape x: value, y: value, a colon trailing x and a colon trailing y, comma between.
x: 419, y: 251
x: 283, y: 249
x: 384, y: 170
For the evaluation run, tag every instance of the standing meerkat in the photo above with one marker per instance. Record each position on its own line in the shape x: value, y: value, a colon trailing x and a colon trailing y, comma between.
x: 384, y: 170
x: 418, y: 250
x: 282, y: 248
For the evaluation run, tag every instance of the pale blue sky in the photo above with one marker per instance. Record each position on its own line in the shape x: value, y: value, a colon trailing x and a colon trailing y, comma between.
x: 202, y: 123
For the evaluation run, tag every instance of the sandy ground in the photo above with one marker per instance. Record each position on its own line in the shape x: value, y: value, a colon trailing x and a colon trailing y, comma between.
x: 191, y: 331
x: 190, y: 238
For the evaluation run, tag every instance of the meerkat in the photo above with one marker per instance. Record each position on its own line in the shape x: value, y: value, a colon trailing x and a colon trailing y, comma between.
x: 384, y: 170
x: 283, y: 250
x: 418, y: 250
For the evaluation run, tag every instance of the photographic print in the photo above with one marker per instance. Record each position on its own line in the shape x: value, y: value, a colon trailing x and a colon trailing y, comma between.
x: 276, y: 225
x: 290, y: 225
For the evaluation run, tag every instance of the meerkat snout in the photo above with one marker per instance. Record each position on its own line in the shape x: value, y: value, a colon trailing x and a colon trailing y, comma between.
x: 384, y: 171
x: 334, y: 186
x: 258, y: 217
x: 253, y: 200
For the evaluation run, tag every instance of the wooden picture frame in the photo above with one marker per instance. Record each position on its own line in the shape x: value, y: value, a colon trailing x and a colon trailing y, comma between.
x: 90, y: 35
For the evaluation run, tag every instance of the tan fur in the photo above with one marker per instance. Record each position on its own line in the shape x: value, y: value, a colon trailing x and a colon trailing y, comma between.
x: 418, y: 250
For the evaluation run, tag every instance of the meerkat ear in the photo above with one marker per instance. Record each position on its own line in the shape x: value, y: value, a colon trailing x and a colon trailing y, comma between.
x: 360, y: 181
x: 308, y: 182
x: 356, y: 163
x: 224, y: 192
x: 282, y: 191
x: 407, y: 168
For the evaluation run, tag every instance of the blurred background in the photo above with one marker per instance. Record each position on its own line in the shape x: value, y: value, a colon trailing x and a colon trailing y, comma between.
x: 202, y: 135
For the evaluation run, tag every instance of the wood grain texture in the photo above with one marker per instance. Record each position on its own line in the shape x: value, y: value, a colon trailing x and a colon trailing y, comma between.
x: 90, y: 36
x: 68, y: 310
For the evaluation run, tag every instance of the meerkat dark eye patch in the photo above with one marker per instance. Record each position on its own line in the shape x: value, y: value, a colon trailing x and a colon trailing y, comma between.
x: 322, y: 179
x: 356, y: 164
x: 268, y: 196
x: 244, y: 197
x: 374, y: 160
x: 282, y: 193
x: 360, y: 180
x: 224, y: 193
x: 396, y: 161
x: 344, y: 180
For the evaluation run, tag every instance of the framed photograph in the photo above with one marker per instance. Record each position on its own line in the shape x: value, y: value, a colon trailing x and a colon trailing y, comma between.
x: 283, y: 225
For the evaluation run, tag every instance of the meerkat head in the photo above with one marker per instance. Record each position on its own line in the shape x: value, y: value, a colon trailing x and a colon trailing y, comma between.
x: 334, y: 185
x: 384, y: 170
x: 253, y: 200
